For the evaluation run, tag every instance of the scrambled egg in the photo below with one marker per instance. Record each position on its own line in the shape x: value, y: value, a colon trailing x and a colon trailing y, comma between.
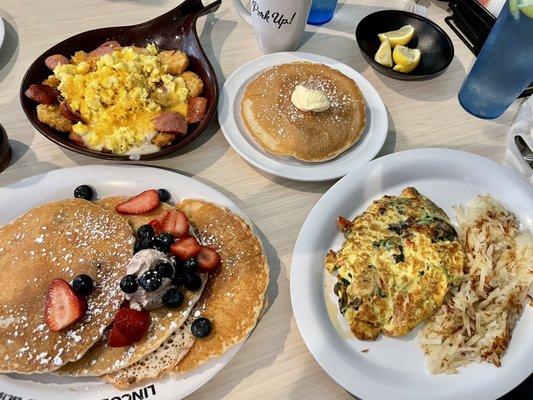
x: 400, y: 258
x: 118, y: 95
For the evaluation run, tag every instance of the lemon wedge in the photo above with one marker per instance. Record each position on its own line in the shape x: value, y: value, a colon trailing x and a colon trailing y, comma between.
x: 406, y: 59
x: 384, y: 54
x: 401, y: 36
x: 526, y: 6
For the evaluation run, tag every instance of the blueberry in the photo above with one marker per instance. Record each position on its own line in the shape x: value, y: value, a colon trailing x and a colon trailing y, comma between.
x: 193, y: 282
x: 201, y: 328
x: 83, y: 192
x: 173, y: 298
x: 150, y: 281
x: 83, y: 284
x: 189, y: 266
x: 179, y: 278
x: 163, y: 242
x: 176, y: 262
x: 145, y: 231
x: 165, y: 269
x: 164, y: 195
x: 145, y: 243
x: 128, y: 284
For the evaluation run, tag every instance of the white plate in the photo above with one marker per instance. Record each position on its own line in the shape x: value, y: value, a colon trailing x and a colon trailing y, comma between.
x: 394, y: 368
x: 108, y: 180
x: 229, y: 111
x: 2, y: 32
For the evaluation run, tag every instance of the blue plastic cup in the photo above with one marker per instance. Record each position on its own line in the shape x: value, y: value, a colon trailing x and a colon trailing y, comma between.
x: 504, y: 67
x: 321, y: 11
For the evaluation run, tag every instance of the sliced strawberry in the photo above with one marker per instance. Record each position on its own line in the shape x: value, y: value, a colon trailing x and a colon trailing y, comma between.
x: 186, y: 248
x: 118, y: 339
x: 207, y: 260
x: 140, y: 204
x: 132, y: 323
x: 129, y: 327
x: 176, y: 223
x: 157, y: 222
x: 63, y: 306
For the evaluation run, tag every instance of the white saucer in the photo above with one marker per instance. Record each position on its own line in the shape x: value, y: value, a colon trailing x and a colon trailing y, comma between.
x: 394, y: 368
x: 238, y: 137
x: 107, y: 180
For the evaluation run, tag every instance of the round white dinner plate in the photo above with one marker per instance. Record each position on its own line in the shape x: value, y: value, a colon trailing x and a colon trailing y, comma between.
x: 107, y: 180
x: 394, y: 368
x: 2, y: 32
x: 229, y: 118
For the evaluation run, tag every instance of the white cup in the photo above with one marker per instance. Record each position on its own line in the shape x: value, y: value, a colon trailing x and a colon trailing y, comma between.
x: 278, y: 24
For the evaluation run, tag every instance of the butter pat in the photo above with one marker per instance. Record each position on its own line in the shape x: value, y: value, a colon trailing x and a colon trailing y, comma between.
x: 306, y: 99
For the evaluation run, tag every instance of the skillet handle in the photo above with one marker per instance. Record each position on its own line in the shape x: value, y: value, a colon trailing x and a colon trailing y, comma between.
x: 193, y: 9
x: 197, y: 9
x: 187, y: 12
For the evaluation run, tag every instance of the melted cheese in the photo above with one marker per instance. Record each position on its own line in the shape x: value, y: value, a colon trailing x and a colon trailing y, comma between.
x: 118, y: 95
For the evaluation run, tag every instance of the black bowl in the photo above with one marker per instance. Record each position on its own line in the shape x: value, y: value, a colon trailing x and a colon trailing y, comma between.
x: 435, y: 45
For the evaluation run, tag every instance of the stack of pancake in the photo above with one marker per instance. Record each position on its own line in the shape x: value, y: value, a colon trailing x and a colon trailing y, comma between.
x: 71, y: 237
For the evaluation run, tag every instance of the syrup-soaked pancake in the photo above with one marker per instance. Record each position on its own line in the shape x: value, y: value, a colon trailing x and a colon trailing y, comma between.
x: 282, y: 129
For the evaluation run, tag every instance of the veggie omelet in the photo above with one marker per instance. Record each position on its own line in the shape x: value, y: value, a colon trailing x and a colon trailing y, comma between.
x: 400, y: 258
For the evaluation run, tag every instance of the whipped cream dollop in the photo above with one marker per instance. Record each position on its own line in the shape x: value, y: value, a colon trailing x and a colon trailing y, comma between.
x: 141, y: 262
x: 306, y: 99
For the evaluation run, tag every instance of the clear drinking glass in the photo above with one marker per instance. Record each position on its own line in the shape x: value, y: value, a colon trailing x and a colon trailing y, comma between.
x: 504, y: 67
x: 321, y: 11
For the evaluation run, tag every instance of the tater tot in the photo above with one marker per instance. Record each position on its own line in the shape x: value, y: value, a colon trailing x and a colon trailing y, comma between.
x: 163, y: 139
x: 194, y: 84
x: 50, y: 115
x: 174, y: 61
x: 51, y: 81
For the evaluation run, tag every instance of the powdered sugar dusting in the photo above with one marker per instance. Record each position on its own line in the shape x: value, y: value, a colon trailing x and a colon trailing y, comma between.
x: 60, y: 240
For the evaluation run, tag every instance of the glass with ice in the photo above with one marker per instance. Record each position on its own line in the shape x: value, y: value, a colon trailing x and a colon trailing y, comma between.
x: 504, y: 67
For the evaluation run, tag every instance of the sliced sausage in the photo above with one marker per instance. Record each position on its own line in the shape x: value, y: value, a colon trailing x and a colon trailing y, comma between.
x: 76, y: 138
x: 42, y: 93
x: 171, y: 122
x: 196, y: 109
x: 66, y: 112
x: 55, y: 60
x: 103, y: 49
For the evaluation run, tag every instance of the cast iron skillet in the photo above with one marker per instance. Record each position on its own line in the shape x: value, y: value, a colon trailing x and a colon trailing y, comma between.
x: 174, y: 30
x: 435, y: 45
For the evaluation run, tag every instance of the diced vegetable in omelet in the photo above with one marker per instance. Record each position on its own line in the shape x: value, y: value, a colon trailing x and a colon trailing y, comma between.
x: 399, y: 259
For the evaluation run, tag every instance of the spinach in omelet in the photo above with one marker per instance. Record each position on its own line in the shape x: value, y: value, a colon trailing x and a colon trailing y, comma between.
x: 400, y: 258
